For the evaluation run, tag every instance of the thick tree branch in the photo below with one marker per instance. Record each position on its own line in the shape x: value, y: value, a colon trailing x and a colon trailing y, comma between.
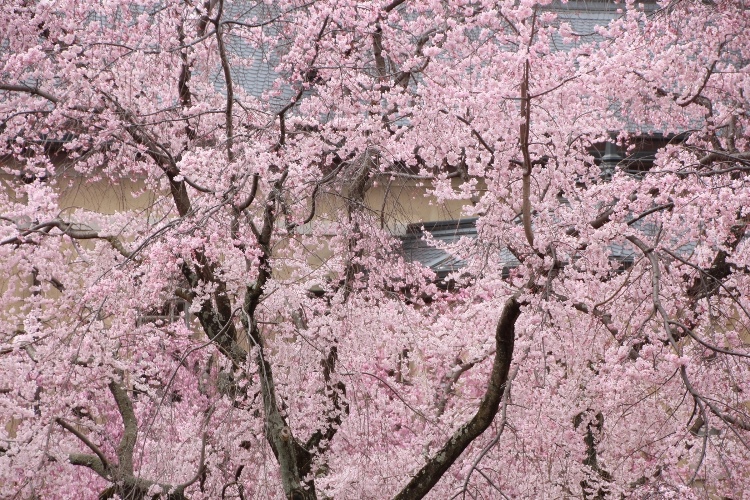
x: 294, y: 460
x: 449, y: 379
x: 129, y: 424
x: 523, y: 141
x: 251, y: 196
x: 377, y: 51
x: 711, y: 279
x: 433, y: 470
x: 228, y: 117
x: 90, y: 461
x: 289, y: 454
x: 106, y: 466
x: 714, y: 156
x: 29, y: 90
x: 393, y: 5
x: 69, y: 229
x: 183, y: 84
x: 336, y: 392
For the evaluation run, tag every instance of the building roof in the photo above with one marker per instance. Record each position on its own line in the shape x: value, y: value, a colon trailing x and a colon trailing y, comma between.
x: 428, y: 242
x: 583, y: 16
x: 432, y: 252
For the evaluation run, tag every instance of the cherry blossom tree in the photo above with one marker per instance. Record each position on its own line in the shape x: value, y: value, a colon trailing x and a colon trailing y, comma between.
x: 203, y: 297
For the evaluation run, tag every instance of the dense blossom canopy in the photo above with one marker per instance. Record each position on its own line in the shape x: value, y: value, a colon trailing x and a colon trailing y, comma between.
x: 201, y: 293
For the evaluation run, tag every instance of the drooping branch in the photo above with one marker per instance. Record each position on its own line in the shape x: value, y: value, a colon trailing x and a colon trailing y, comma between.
x: 705, y: 344
x: 668, y: 322
x: 433, y: 470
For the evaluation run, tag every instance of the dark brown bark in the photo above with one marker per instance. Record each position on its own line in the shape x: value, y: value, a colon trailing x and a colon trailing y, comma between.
x: 294, y: 460
x: 524, y: 144
x: 712, y: 278
x: 433, y: 470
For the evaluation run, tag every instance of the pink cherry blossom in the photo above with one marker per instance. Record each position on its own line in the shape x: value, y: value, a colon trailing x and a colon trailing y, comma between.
x: 207, y: 290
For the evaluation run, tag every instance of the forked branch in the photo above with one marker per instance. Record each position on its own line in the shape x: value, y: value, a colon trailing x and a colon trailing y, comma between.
x: 99, y: 464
